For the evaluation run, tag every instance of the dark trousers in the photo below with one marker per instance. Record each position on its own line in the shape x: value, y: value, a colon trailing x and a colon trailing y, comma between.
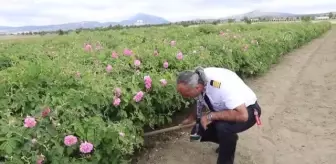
x: 224, y: 133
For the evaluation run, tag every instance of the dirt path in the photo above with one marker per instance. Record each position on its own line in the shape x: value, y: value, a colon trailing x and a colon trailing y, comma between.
x: 298, y: 99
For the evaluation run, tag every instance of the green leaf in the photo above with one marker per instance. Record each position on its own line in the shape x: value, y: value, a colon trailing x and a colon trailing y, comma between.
x: 51, y: 130
x: 169, y: 120
x: 79, y: 129
x: 3, y: 139
x: 4, y: 129
x: 69, y: 150
x: 15, y: 160
x: 59, y: 149
x: 90, y: 134
x: 8, y: 146
x: 27, y: 147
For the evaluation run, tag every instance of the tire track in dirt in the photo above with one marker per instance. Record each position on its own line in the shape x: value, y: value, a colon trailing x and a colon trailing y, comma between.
x: 305, y: 126
x: 272, y: 90
x: 299, y: 125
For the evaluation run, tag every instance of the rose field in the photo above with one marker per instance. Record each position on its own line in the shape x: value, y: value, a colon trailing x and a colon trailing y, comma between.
x: 86, y: 98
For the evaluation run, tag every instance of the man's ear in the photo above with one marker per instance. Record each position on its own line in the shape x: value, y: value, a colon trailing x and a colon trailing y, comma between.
x: 200, y: 87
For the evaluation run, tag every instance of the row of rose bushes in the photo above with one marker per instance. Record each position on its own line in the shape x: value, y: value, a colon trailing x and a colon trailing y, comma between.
x: 86, y: 98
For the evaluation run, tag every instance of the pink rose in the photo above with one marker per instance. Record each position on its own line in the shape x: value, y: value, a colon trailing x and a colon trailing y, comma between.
x: 163, y: 82
x: 70, y: 140
x: 165, y: 64
x: 29, y: 122
x: 86, y: 147
x: 116, y: 101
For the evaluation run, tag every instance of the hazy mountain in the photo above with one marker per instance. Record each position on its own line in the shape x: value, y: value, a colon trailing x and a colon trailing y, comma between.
x: 264, y: 14
x: 145, y: 19
x: 259, y: 13
x: 66, y: 26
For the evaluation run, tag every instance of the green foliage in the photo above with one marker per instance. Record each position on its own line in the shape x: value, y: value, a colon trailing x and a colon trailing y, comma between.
x: 215, y: 22
x: 247, y: 20
x: 58, y: 73
x: 306, y: 18
x: 231, y: 20
x: 60, y: 32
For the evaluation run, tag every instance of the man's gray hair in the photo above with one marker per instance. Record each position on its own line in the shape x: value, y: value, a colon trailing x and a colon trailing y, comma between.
x: 191, y: 78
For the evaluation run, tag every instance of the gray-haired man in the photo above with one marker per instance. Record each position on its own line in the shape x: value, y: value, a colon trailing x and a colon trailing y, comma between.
x: 232, y: 103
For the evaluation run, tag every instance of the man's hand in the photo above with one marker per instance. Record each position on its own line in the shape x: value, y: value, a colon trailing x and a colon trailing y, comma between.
x: 205, y: 122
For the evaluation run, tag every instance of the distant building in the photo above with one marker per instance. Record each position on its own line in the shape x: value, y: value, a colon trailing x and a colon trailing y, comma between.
x: 322, y: 18
x: 139, y: 23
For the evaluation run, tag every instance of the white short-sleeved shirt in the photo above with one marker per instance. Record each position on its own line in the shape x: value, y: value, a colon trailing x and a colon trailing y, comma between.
x: 226, y: 90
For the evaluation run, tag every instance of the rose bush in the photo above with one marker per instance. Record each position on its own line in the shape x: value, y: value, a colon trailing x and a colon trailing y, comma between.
x: 85, y: 98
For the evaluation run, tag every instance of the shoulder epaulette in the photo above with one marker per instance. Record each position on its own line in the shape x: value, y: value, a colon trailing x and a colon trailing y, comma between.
x: 215, y: 84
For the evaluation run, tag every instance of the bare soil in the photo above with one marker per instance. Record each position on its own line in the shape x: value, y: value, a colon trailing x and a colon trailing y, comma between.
x: 298, y: 101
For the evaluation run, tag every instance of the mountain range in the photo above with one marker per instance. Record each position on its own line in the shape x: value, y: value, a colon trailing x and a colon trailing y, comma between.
x: 145, y: 19
x: 259, y: 13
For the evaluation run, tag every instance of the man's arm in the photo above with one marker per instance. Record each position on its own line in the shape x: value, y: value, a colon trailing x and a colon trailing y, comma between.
x: 238, y: 114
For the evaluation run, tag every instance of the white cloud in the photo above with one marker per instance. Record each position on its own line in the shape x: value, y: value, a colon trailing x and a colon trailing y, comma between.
x: 300, y: 6
x: 41, y: 12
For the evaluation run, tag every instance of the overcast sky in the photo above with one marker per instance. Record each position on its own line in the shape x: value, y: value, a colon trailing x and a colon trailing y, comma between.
x: 44, y: 12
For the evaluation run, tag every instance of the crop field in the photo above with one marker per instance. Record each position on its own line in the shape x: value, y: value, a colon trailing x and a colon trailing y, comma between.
x: 86, y: 98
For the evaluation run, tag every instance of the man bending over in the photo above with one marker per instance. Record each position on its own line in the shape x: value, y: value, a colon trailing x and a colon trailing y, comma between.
x: 233, y: 105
